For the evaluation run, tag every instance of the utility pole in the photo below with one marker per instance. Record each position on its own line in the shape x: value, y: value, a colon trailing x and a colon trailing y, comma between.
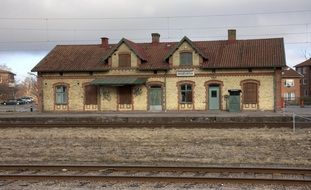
x: 12, y: 85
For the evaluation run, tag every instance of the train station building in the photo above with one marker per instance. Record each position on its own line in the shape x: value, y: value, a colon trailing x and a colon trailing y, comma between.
x: 163, y: 76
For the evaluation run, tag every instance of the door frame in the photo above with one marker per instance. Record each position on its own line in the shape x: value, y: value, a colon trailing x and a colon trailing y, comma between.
x: 159, y: 84
x: 209, y: 83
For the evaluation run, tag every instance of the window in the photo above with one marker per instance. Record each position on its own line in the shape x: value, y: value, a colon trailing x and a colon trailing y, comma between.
x: 305, y: 92
x: 299, y: 70
x: 289, y: 82
x: 304, y: 81
x: 125, y: 95
x: 289, y: 96
x: 285, y: 96
x: 214, y: 94
x: 304, y: 70
x: 250, y: 93
x: 186, y: 93
x: 61, y: 95
x: 124, y: 60
x: 90, y: 94
x: 186, y: 58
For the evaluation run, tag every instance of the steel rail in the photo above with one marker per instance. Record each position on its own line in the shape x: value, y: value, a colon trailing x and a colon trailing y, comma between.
x: 275, y: 174
x: 157, y: 178
x: 287, y: 170
x: 157, y: 125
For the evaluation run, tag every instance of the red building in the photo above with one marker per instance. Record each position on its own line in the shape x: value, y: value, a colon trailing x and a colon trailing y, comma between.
x: 304, y: 68
x: 290, y: 87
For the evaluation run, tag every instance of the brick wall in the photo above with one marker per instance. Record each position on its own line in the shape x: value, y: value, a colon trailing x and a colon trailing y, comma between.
x: 108, y: 95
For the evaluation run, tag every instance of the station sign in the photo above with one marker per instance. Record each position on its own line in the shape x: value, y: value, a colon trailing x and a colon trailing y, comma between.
x: 185, y: 73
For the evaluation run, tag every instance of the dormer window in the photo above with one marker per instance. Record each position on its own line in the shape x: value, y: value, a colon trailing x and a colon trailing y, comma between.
x: 185, y: 58
x: 124, y: 60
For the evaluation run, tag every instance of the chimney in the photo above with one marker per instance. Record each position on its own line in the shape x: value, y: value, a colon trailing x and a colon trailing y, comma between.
x: 155, y: 38
x: 231, y: 36
x: 105, y: 42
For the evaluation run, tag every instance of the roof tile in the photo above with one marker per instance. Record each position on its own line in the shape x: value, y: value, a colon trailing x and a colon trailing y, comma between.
x: 219, y: 54
x: 305, y: 63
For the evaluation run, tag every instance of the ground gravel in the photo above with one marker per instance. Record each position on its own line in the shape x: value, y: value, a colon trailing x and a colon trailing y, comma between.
x: 156, y: 146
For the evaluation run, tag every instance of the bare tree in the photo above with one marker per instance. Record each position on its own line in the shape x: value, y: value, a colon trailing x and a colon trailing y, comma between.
x: 3, y: 66
x: 6, y: 91
x: 306, y: 53
x: 28, y: 87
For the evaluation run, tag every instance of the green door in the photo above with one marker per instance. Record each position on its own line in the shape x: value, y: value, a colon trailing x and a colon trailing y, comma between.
x: 155, y: 98
x: 213, y: 97
x: 234, y: 103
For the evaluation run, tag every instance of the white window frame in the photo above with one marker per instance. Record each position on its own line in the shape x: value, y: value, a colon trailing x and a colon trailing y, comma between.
x: 305, y: 92
x: 285, y: 96
x: 293, y: 96
x: 289, y: 83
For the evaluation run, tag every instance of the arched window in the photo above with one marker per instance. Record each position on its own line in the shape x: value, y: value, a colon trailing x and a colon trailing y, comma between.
x: 61, y: 94
x: 186, y: 93
x: 250, y: 93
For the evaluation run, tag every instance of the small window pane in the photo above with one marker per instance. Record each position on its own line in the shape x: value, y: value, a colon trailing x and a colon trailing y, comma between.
x: 214, y: 94
x: 186, y: 58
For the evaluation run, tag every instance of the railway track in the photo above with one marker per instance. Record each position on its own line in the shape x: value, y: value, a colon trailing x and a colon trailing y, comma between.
x: 158, y: 125
x: 157, y: 174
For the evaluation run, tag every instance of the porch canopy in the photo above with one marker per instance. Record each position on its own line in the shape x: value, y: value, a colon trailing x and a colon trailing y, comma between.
x: 119, y: 81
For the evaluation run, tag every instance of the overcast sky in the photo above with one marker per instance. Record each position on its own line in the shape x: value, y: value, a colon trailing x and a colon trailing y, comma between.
x: 29, y: 29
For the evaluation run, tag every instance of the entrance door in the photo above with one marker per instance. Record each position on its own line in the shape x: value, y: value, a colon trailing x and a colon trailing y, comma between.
x: 155, y: 98
x: 213, y: 97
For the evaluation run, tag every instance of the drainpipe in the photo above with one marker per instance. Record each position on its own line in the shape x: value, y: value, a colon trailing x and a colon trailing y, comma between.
x: 165, y: 91
x: 274, y: 89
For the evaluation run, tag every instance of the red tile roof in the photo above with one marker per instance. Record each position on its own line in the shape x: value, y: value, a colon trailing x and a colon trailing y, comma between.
x: 290, y: 73
x: 262, y: 53
x: 305, y: 63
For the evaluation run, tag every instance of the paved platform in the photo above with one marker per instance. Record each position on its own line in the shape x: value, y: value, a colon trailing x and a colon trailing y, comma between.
x: 141, y: 117
x: 144, y: 118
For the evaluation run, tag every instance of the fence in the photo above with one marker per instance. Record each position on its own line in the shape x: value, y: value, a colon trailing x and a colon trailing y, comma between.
x: 299, y: 101
x: 295, y: 116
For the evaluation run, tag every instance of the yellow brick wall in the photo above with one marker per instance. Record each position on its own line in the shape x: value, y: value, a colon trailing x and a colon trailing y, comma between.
x: 108, y: 98
x: 140, y: 98
x: 76, y: 92
x: 266, y: 99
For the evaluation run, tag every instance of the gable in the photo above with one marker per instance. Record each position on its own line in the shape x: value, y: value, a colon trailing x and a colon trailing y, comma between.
x: 190, y: 43
x: 135, y: 48
x: 123, y: 49
x: 185, y: 47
